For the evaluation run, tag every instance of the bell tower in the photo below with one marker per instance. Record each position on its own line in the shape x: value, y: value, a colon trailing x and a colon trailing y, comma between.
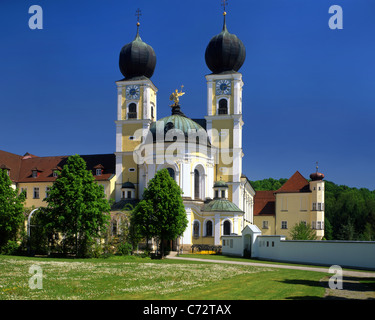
x: 136, y: 107
x: 225, y: 54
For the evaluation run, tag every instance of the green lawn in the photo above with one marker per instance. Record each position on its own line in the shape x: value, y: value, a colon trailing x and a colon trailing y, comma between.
x: 143, y: 278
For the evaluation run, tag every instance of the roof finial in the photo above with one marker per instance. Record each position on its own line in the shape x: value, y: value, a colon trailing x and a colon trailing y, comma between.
x: 224, y: 3
x: 317, y: 167
x: 175, y: 97
x: 138, y: 14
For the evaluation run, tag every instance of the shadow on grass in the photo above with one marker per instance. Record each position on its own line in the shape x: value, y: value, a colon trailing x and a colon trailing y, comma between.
x: 350, y: 284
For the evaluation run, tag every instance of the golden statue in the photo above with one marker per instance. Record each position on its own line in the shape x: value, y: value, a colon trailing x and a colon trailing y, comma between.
x: 175, y: 96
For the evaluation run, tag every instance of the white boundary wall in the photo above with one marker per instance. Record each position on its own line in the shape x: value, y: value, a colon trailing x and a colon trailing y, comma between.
x: 356, y: 254
x: 359, y: 254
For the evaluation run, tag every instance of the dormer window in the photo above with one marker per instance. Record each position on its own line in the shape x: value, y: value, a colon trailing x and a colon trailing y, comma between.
x: 35, y: 172
x: 56, y: 171
x: 98, y: 170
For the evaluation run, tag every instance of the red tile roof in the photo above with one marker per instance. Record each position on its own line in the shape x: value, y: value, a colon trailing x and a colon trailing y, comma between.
x: 21, y: 167
x: 11, y: 161
x: 264, y: 203
x: 296, y: 183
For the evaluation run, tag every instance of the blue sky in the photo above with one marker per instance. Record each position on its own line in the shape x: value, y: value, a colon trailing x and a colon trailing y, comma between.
x: 308, y: 95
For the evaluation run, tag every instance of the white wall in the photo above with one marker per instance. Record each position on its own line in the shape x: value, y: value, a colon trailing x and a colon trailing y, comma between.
x: 233, y: 245
x: 343, y: 253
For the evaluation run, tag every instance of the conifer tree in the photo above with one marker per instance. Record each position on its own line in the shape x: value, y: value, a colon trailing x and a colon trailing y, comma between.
x: 11, y: 209
x: 161, y: 213
x: 77, y: 207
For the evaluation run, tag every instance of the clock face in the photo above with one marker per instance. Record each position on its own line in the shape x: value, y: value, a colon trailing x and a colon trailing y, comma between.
x: 132, y: 92
x: 223, y: 87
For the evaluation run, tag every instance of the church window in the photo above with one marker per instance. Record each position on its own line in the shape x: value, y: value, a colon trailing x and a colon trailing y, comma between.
x: 132, y: 114
x: 209, y: 228
x: 152, y: 112
x: 216, y: 194
x: 196, y: 229
x: 226, y: 228
x: 223, y: 106
x: 196, y: 184
x: 171, y: 172
x: 129, y: 194
x: 223, y: 193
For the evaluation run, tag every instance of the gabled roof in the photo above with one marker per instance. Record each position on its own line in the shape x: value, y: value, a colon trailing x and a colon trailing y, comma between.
x: 21, y: 167
x: 264, y: 203
x: 296, y: 183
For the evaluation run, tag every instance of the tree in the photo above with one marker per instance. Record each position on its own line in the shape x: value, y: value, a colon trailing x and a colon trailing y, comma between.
x: 77, y: 206
x: 11, y: 210
x: 268, y: 184
x: 302, y: 231
x: 161, y: 213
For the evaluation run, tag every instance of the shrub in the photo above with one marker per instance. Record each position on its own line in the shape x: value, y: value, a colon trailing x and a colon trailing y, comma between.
x: 10, y: 248
x: 125, y: 248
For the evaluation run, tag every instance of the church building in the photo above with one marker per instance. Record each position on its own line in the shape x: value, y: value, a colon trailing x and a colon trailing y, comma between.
x: 202, y: 154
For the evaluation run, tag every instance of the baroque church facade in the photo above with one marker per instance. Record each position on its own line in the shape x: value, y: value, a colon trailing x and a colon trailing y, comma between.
x: 204, y: 156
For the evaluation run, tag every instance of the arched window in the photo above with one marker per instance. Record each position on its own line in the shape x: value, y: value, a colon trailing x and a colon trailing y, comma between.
x: 114, y: 227
x: 171, y: 172
x: 196, y: 185
x: 196, y: 229
x: 223, y: 106
x: 132, y: 112
x: 209, y: 228
x: 226, y: 228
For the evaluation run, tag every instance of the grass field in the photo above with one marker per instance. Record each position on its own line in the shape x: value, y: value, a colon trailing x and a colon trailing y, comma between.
x: 143, y: 278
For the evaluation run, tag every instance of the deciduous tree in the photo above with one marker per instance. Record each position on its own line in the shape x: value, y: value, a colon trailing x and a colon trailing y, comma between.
x: 11, y: 209
x: 77, y: 207
x: 161, y: 213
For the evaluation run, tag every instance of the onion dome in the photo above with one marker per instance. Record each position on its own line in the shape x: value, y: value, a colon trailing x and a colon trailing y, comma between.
x: 137, y: 59
x: 225, y: 52
x: 316, y: 176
